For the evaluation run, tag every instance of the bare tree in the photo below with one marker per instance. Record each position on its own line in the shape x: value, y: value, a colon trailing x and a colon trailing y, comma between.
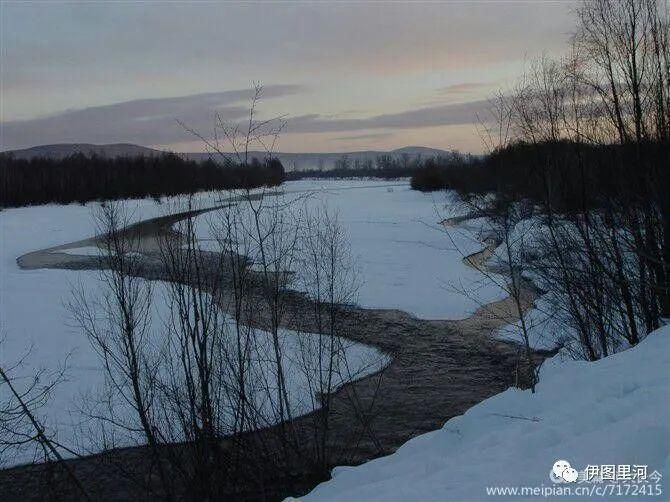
x: 220, y: 364
x: 22, y: 429
x: 604, y: 251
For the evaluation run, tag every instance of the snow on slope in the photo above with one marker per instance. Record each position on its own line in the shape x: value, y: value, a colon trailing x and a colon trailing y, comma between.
x: 613, y: 411
x: 546, y: 329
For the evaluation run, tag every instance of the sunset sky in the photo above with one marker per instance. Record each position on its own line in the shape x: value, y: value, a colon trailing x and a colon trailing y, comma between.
x: 348, y: 75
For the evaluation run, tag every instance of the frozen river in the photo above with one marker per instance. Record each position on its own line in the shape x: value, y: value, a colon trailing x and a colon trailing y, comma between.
x: 406, y: 261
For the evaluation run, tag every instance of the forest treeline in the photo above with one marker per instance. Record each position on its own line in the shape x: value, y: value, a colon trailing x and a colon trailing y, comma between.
x: 386, y: 166
x: 575, y: 175
x: 81, y: 178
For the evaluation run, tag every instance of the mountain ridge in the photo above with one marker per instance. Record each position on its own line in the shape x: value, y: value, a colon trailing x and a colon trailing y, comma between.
x: 291, y: 161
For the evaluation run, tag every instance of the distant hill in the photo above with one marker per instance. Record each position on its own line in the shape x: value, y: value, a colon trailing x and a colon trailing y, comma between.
x: 291, y: 161
x: 61, y: 150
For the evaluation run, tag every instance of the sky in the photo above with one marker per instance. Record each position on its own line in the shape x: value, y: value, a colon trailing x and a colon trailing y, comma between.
x: 345, y: 75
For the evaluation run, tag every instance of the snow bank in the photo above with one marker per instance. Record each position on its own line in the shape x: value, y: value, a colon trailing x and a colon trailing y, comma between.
x: 546, y: 329
x: 613, y: 411
x: 549, y: 324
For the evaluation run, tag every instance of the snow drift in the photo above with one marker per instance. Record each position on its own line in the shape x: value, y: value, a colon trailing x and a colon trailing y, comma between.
x: 612, y: 411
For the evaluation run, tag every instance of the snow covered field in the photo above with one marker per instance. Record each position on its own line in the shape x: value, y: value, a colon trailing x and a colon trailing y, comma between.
x: 406, y: 260
x: 614, y: 411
